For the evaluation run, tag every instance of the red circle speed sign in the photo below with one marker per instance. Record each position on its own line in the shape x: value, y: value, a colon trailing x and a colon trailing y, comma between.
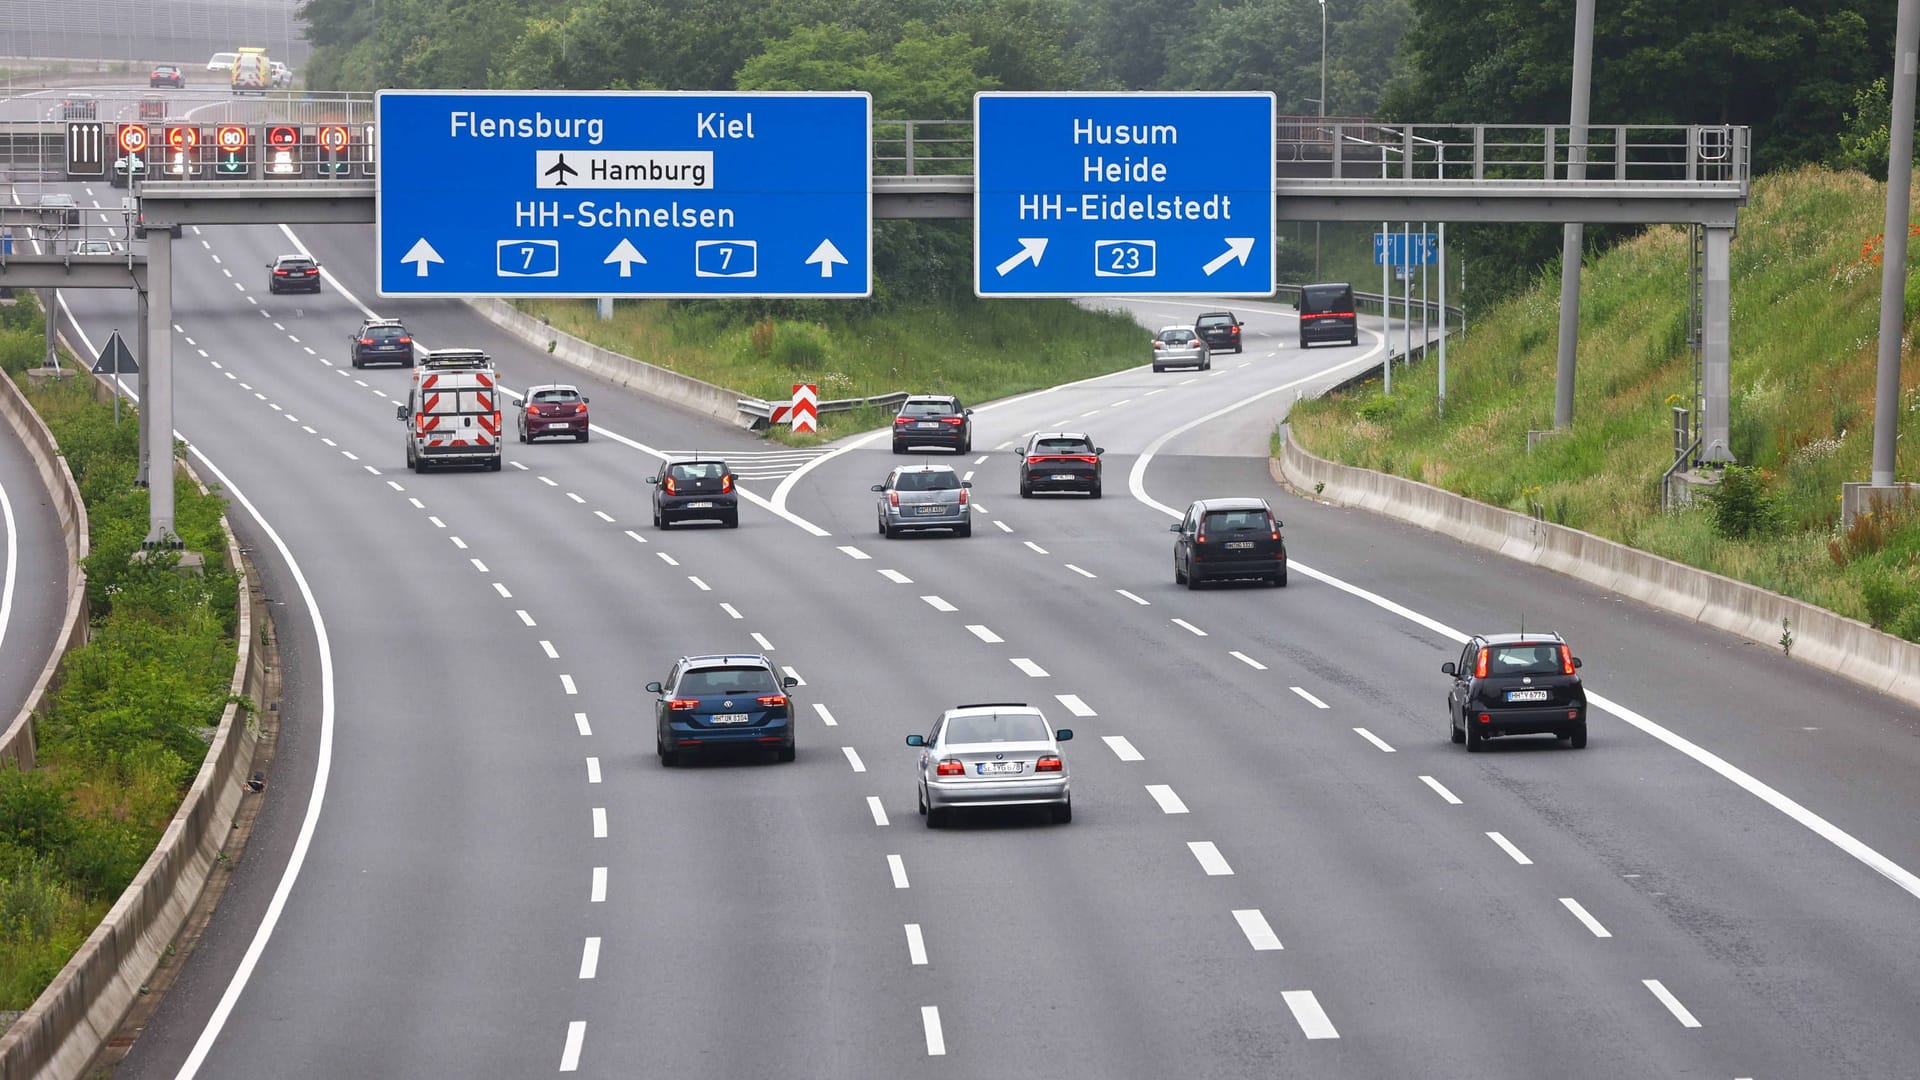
x: 334, y: 138
x: 183, y: 138
x: 283, y: 138
x: 133, y: 138
x: 231, y: 137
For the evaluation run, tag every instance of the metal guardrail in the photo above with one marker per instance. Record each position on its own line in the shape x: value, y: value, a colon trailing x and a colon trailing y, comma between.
x: 762, y: 411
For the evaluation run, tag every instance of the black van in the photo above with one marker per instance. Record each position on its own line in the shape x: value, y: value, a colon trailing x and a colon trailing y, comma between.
x: 1326, y: 314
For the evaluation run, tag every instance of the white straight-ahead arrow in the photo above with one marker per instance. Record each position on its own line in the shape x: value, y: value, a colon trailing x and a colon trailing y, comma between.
x: 1238, y: 247
x: 420, y: 254
x: 626, y: 255
x: 826, y: 255
x: 1030, y: 248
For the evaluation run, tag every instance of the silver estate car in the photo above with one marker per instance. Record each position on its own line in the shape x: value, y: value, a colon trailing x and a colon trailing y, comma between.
x: 993, y: 754
x: 924, y: 497
x: 1180, y: 346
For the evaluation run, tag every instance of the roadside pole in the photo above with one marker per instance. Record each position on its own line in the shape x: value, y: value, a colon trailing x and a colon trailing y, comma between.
x: 1572, y: 236
x: 1443, y: 318
x: 1893, y: 257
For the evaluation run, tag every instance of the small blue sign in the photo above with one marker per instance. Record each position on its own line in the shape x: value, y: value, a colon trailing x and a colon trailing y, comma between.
x: 1391, y: 249
x: 483, y: 193
x: 1127, y: 194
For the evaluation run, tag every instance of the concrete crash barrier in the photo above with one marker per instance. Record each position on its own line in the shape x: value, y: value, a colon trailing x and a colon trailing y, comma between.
x: 621, y: 370
x: 17, y: 743
x: 74, y: 1017
x: 1846, y: 647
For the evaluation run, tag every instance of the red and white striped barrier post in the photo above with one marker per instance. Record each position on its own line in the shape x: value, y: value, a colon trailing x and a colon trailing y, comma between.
x: 804, y: 413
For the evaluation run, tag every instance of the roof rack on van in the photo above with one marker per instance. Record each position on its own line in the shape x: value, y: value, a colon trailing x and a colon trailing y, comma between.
x: 457, y: 358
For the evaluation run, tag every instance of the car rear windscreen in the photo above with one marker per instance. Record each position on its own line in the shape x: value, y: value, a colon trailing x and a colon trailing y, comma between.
x: 555, y: 397
x: 1524, y: 660
x: 1176, y: 337
x: 1225, y: 520
x: 700, y: 470
x: 926, y: 408
x: 999, y: 727
x: 727, y: 680
x: 928, y: 481
x: 1315, y: 301
x: 1215, y: 320
x: 1063, y: 446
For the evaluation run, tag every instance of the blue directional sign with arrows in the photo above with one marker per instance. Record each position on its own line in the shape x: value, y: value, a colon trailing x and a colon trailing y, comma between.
x: 1129, y: 194
x: 624, y: 194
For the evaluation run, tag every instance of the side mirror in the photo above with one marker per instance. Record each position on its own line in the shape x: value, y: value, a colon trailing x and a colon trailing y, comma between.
x: 1065, y: 734
x: 586, y: 401
x: 966, y: 483
x: 654, y: 688
x: 1099, y: 450
x: 400, y: 413
x: 1278, y: 524
x: 1447, y: 668
x: 916, y: 740
x: 653, y: 479
x: 1576, y: 661
x: 966, y: 412
x: 1174, y: 528
x: 878, y: 487
x: 789, y: 683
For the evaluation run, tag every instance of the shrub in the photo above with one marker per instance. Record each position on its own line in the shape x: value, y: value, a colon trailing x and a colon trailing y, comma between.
x: 799, y: 347
x: 1742, y: 505
x: 1885, y: 596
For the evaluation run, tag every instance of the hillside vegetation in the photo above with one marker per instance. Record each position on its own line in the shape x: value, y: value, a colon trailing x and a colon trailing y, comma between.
x: 1806, y: 280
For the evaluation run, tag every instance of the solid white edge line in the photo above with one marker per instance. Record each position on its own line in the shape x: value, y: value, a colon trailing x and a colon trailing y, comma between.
x: 1672, y: 1003
x: 1309, y: 1015
x: 916, y: 945
x: 13, y: 563
x: 1586, y: 918
x: 1441, y: 790
x: 878, y: 811
x: 1259, y: 933
x: 936, y: 1041
x: 570, y: 1055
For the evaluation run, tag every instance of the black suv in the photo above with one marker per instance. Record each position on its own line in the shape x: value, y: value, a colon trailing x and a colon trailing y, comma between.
x: 381, y: 341
x: 1326, y: 314
x: 1228, y: 538
x: 713, y: 702
x: 695, y: 491
x: 1515, y: 684
x: 1220, y: 330
x: 929, y: 420
x: 1059, y: 461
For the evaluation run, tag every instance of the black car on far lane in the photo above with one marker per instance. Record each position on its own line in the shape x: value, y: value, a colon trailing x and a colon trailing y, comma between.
x: 293, y: 273
x: 1219, y: 539
x: 1059, y: 461
x: 1220, y: 330
x: 166, y: 75
x: 381, y: 341
x: 933, y: 420
x: 1516, y: 684
x: 695, y: 490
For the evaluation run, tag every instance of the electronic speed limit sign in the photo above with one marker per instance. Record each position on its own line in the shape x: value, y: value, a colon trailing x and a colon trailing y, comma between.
x: 230, y: 150
x: 133, y: 138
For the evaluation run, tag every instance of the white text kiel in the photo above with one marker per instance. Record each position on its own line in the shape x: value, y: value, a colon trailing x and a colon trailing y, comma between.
x: 715, y: 125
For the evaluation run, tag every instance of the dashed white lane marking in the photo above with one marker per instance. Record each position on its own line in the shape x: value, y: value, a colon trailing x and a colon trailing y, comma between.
x: 437, y: 523
x: 1032, y: 669
x: 916, y: 945
x: 231, y: 375
x: 1133, y: 598
x: 547, y: 647
x: 203, y: 354
x: 794, y: 675
x: 936, y: 1042
x: 698, y: 584
x: 1082, y: 573
x: 257, y: 394
x: 853, y: 759
x: 853, y: 552
x: 599, y: 823
x: 1170, y: 802
x: 984, y: 634
x: 327, y: 441
x: 898, y: 869
x: 637, y: 538
x: 938, y: 604
x: 525, y: 617
x: 1214, y: 863
x: 395, y: 485
x: 350, y: 455
x: 518, y: 465
x: 1184, y: 382
x: 981, y: 460
x: 1309, y: 698
x: 1507, y: 846
x: 502, y: 590
x: 1075, y: 705
x: 1088, y: 413
x: 978, y: 509
x: 896, y: 577
x: 580, y: 721
x: 370, y: 469
x: 1672, y: 1003
x: 760, y: 639
x: 359, y: 382
x: 603, y: 516
x: 593, y: 770
x: 548, y: 482
x: 576, y: 498
x: 1189, y: 627
x: 731, y: 611
x: 277, y: 326
x: 480, y: 566
x: 1036, y: 547
x: 570, y: 1055
x: 879, y: 812
x: 1309, y: 1015
x: 417, y: 504
x: 1441, y: 790
x: 1585, y: 918
x: 1119, y: 403
x: 566, y: 683
x: 1374, y: 739
x: 1122, y: 748
x: 1247, y: 660
x: 599, y: 893
x: 826, y: 717
x: 1260, y: 935
x: 1003, y: 526
x: 666, y: 558
x: 309, y: 430
x: 590, y: 958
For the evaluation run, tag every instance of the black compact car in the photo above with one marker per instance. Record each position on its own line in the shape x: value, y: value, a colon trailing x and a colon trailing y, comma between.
x: 1326, y: 314
x: 1221, y: 539
x: 719, y: 702
x: 1220, y: 330
x: 691, y: 490
x: 1059, y: 461
x: 382, y: 341
x: 1516, y: 684
x: 293, y: 273
x: 166, y: 75
x: 929, y: 420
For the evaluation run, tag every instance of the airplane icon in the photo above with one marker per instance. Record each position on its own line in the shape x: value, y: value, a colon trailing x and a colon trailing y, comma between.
x: 563, y: 170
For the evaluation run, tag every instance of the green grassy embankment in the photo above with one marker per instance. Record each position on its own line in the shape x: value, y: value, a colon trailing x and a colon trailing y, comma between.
x: 1805, y: 322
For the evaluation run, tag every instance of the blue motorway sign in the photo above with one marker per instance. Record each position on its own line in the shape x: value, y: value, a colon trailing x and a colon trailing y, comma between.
x: 1405, y: 249
x: 1124, y: 194
x: 595, y: 194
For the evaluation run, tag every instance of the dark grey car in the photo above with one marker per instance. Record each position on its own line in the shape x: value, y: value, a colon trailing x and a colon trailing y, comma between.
x: 918, y: 497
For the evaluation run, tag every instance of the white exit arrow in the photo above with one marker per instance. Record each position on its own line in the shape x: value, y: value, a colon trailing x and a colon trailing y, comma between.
x: 626, y: 255
x: 1238, y: 247
x: 1031, y: 248
x: 826, y: 255
x: 420, y: 254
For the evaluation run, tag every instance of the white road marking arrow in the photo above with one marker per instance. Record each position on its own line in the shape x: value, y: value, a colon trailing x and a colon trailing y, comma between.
x: 1030, y: 248
x: 420, y: 254
x: 826, y: 255
x: 1238, y: 247
x: 626, y: 255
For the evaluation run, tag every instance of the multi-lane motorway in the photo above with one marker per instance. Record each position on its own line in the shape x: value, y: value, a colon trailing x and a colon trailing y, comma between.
x: 471, y: 865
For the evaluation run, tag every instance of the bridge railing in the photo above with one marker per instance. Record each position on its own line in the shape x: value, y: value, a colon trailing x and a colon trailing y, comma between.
x: 1619, y: 153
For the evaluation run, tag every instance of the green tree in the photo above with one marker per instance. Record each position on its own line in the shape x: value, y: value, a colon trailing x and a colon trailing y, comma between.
x: 1863, y: 143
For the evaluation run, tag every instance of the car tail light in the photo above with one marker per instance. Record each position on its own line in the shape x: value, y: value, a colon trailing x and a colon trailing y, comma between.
x: 1566, y: 660
x: 279, y: 273
x: 772, y: 701
x: 581, y: 409
x: 1486, y: 718
x: 893, y: 498
x: 1088, y: 458
x: 950, y: 767
x: 1158, y: 344
x: 1037, y: 459
x: 533, y: 410
x: 670, y: 490
x: 366, y: 341
x: 683, y: 704
x: 1200, y: 537
x: 405, y: 340
x: 902, y: 419
x: 963, y: 496
x: 953, y: 420
x: 726, y: 482
x: 1235, y: 331
x: 1047, y: 763
x: 1480, y: 664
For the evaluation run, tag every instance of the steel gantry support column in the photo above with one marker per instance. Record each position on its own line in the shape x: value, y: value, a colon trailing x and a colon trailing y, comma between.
x: 156, y: 404
x: 1572, y: 238
x: 141, y: 319
x: 1716, y: 353
x: 1893, y: 257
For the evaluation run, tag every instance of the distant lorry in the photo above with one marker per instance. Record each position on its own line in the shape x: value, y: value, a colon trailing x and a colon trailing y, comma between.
x: 252, y: 71
x: 452, y: 411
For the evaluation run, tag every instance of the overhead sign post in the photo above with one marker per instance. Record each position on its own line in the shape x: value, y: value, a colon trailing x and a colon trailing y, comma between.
x: 86, y: 148
x: 624, y: 195
x: 1405, y: 249
x: 1125, y: 194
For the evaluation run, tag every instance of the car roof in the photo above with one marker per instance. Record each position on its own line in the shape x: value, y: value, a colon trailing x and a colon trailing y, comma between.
x: 993, y: 708
x: 694, y: 461
x: 930, y: 399
x: 1182, y: 329
x: 293, y: 256
x: 1211, y: 314
x: 727, y: 660
x: 557, y: 386
x: 1329, y: 285
x: 1538, y: 637
x: 1210, y: 505
x: 923, y: 468
x: 1061, y: 435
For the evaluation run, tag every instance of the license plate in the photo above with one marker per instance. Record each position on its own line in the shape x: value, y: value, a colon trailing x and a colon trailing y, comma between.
x: 926, y: 425
x: 700, y: 506
x: 1240, y: 545
x: 1527, y: 695
x: 929, y: 509
x: 1062, y: 476
x: 728, y: 718
x: 996, y: 768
